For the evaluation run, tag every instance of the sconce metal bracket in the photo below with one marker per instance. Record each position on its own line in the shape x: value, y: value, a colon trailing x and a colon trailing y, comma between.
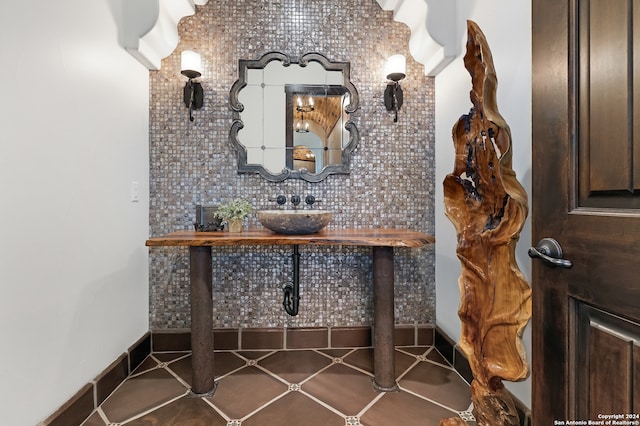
x: 393, y: 98
x: 193, y: 96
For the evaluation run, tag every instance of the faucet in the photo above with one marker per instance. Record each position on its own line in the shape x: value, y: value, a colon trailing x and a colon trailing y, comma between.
x: 295, y: 200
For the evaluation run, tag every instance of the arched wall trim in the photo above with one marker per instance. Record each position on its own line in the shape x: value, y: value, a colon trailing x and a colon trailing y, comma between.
x: 151, y: 28
x: 435, y: 36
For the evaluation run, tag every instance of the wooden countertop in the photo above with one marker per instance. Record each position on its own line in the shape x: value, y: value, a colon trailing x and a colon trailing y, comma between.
x: 380, y: 237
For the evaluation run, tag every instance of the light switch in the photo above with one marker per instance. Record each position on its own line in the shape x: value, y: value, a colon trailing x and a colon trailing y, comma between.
x: 135, y: 191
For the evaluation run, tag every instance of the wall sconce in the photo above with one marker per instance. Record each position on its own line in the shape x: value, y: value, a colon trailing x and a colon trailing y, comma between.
x: 395, y: 69
x: 191, y: 65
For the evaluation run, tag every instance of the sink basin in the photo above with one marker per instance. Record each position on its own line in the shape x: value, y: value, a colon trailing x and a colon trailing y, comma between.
x: 294, y: 222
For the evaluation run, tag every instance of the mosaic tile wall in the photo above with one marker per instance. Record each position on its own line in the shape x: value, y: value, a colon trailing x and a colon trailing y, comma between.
x: 391, y: 181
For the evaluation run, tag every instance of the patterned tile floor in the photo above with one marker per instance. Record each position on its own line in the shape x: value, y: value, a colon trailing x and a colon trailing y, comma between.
x: 293, y: 387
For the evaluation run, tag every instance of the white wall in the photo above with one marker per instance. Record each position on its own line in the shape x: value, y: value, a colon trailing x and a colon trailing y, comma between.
x: 507, y: 27
x: 73, y: 265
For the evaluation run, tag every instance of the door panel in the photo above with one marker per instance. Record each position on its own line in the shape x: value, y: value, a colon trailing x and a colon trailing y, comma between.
x: 610, y: 362
x: 586, y: 195
x: 605, y: 95
x: 607, y: 105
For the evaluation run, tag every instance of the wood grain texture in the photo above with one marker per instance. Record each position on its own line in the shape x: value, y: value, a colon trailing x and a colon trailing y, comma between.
x: 377, y: 237
x: 488, y: 207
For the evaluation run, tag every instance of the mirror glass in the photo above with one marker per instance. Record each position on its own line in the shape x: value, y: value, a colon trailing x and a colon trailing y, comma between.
x: 292, y: 117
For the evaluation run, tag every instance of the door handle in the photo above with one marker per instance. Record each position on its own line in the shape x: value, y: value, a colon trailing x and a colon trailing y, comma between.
x: 550, y: 251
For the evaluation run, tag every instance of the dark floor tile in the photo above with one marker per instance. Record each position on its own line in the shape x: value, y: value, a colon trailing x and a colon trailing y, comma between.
x: 294, y: 409
x: 142, y: 393
x: 245, y: 390
x: 402, y: 408
x: 255, y: 355
x: 403, y: 362
x: 295, y: 366
x: 148, y: 364
x: 169, y: 356
x: 343, y: 388
x: 438, y: 383
x: 242, y: 390
x: 415, y: 350
x: 184, y: 411
x: 363, y: 359
x: 94, y: 420
x: 336, y: 353
x: 223, y: 363
x: 436, y: 356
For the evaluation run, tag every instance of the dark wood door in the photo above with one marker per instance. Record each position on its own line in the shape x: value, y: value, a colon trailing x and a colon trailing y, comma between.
x: 586, y: 195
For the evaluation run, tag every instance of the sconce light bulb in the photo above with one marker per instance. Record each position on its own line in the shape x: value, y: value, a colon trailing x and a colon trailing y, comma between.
x: 190, y: 64
x: 396, y: 67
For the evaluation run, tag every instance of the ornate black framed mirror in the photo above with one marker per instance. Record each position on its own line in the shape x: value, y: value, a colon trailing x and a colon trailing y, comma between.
x: 292, y: 117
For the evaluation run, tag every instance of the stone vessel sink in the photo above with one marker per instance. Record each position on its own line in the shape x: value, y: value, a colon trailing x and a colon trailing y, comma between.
x: 294, y: 222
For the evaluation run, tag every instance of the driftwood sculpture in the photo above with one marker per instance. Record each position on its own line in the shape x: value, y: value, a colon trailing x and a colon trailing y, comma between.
x: 488, y: 207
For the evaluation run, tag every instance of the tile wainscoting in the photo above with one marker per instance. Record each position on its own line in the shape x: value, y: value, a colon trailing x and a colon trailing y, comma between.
x: 391, y: 181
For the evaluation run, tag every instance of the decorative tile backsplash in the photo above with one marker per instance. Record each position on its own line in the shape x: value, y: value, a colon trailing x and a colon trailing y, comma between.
x: 391, y: 183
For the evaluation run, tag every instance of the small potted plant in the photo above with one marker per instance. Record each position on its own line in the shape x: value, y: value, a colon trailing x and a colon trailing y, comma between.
x: 233, y: 212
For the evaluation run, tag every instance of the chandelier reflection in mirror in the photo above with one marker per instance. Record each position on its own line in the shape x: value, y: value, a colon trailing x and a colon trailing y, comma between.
x: 302, y: 126
x: 292, y: 117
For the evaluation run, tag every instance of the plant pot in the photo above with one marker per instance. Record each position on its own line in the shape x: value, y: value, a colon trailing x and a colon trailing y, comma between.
x: 235, y: 225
